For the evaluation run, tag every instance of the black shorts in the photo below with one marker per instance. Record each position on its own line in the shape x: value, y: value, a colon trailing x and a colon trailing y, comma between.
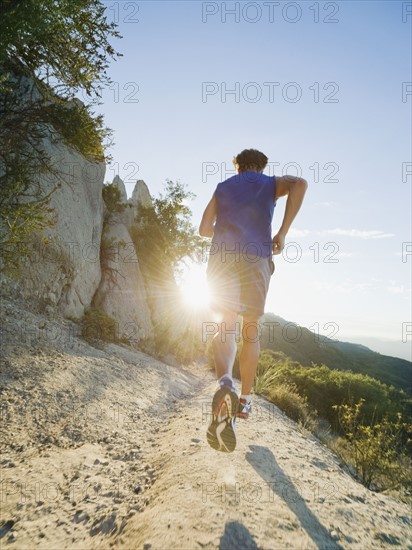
x: 238, y: 284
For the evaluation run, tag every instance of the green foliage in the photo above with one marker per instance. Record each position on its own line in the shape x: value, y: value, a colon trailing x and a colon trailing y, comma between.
x: 375, y: 429
x: 78, y: 126
x: 64, y: 42
x: 306, y: 347
x: 112, y: 198
x: 183, y: 342
x: 376, y: 450
x: 49, y: 50
x: 296, y: 407
x: 164, y: 235
x: 97, y: 325
x: 266, y: 377
x: 283, y: 394
x: 27, y: 176
x: 324, y: 388
x: 19, y: 219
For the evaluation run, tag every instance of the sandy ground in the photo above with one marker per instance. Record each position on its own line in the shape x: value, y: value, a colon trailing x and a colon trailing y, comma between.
x: 106, y: 448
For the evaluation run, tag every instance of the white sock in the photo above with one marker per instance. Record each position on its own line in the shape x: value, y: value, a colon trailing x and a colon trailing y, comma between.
x: 245, y: 397
x: 228, y: 377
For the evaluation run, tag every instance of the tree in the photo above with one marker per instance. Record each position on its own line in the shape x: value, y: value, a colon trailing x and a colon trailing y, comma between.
x: 164, y: 235
x: 113, y: 198
x: 164, y: 238
x: 49, y: 50
x: 64, y: 43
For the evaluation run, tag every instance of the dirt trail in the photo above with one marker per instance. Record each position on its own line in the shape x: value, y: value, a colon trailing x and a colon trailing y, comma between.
x: 279, y: 489
x: 106, y: 448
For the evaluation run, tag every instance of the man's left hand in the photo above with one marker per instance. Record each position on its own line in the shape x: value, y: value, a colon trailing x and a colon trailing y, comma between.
x: 278, y: 243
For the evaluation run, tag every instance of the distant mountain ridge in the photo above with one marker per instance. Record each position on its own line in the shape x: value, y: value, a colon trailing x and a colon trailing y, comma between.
x: 306, y: 347
x: 393, y: 348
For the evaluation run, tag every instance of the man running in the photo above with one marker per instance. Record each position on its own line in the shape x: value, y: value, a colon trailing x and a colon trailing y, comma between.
x: 238, y: 218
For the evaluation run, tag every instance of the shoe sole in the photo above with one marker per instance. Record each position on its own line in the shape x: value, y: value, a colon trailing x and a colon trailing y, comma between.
x: 221, y: 431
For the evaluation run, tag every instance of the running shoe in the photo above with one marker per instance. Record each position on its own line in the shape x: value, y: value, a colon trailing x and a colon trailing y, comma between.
x: 221, y: 431
x: 244, y: 408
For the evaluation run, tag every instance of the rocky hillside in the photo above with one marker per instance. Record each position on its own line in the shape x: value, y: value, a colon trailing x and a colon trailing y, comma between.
x: 88, y: 257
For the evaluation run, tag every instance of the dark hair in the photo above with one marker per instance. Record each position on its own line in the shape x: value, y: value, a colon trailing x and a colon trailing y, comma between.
x: 251, y: 159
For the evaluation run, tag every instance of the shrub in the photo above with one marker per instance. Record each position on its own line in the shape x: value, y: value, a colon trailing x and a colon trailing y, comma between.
x: 265, y: 379
x: 284, y: 395
x: 296, y: 407
x: 112, y: 198
x: 376, y: 451
x: 375, y: 443
x: 324, y: 388
x: 97, y: 325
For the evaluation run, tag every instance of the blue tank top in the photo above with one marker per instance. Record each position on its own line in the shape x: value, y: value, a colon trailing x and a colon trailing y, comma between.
x: 245, y: 205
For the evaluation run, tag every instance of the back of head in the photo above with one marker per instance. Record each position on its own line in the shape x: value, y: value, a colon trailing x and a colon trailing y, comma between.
x: 251, y: 159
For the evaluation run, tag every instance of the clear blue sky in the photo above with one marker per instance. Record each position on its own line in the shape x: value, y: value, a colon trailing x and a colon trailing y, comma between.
x: 336, y: 113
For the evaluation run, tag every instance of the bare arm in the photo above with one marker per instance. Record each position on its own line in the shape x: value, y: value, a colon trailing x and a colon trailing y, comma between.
x: 295, y: 189
x: 207, y: 224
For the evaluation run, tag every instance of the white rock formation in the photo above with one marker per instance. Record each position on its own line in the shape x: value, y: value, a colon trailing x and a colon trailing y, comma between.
x: 121, y: 293
x: 67, y: 272
x: 134, y: 300
x: 141, y: 195
x: 63, y: 270
x: 118, y: 182
x: 140, y: 198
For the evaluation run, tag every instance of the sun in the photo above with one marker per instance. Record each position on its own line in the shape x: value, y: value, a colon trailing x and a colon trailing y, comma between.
x: 194, y: 288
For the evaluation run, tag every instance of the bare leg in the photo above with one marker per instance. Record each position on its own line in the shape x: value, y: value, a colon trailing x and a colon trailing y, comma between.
x: 221, y: 431
x: 224, y: 345
x: 249, y: 355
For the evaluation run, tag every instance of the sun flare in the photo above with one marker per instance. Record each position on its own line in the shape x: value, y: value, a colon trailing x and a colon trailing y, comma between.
x: 194, y: 288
